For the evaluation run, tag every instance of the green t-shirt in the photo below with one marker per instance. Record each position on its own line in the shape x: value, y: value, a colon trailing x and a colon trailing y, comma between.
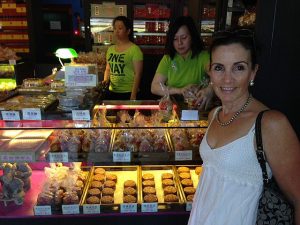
x: 181, y: 72
x: 121, y: 67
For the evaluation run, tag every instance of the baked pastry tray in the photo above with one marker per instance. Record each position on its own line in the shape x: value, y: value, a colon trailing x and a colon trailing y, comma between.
x: 163, y: 204
x: 115, y: 190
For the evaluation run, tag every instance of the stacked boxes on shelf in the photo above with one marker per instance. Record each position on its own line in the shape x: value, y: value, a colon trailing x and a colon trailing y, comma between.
x: 13, y: 26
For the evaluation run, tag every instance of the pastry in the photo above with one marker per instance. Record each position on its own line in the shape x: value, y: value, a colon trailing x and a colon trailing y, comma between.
x: 108, y: 191
x: 94, y: 192
x: 149, y: 190
x: 96, y: 184
x: 107, y: 199
x: 150, y: 198
x: 93, y: 200
x: 167, y: 182
x: 129, y: 191
x: 185, y: 175
x: 99, y: 177
x: 183, y: 169
x: 189, y: 190
x: 167, y: 176
x: 148, y: 176
x: 170, y: 190
x: 110, y: 184
x: 187, y: 183
x: 198, y: 170
x: 171, y: 198
x: 99, y: 170
x: 129, y: 199
x: 112, y: 177
x: 190, y: 198
x: 129, y: 183
x: 148, y: 183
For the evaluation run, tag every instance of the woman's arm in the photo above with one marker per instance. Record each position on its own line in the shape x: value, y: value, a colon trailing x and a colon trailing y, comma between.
x: 106, y: 74
x: 282, y: 150
x: 156, y: 86
x: 138, y: 69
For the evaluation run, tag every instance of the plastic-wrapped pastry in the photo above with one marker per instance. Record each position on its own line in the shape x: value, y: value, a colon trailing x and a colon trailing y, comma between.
x: 70, y: 198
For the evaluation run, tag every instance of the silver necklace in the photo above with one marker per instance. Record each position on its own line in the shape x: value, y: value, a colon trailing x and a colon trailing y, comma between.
x: 235, y: 115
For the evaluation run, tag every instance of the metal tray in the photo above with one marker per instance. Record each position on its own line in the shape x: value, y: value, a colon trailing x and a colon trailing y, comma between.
x: 123, y: 173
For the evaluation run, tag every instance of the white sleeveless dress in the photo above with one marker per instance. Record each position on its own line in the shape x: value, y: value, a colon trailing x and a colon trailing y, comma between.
x: 230, y: 185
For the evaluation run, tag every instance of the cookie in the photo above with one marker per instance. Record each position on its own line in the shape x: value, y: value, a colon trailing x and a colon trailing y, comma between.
x: 167, y: 176
x: 185, y: 175
x: 148, y: 183
x: 190, y: 198
x: 167, y: 182
x: 93, y: 200
x: 149, y: 190
x: 96, y: 184
x: 108, y: 191
x: 189, y: 190
x: 94, y: 192
x: 183, y: 169
x: 148, y: 176
x: 150, y: 198
x: 99, y: 177
x: 171, y: 198
x: 99, y: 170
x: 129, y: 199
x: 129, y: 183
x: 187, y: 183
x: 110, y: 184
x: 129, y: 191
x: 170, y: 190
x: 112, y: 177
x: 198, y: 170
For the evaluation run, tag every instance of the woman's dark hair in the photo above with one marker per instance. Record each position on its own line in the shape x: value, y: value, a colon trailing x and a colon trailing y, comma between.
x: 243, y: 37
x: 196, y: 42
x: 127, y: 23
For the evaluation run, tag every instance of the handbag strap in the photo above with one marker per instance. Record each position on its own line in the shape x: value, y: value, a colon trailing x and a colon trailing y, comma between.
x: 259, y: 148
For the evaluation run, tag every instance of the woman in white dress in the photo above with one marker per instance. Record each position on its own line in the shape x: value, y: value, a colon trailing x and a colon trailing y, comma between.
x: 231, y: 182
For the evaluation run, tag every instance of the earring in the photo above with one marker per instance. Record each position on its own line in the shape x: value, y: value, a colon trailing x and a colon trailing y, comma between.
x: 251, y: 83
x: 211, y: 83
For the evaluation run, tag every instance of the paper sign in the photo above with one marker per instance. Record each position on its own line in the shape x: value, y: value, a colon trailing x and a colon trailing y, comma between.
x: 128, y: 207
x: 183, y: 155
x: 149, y: 207
x: 189, y: 115
x: 16, y: 157
x: 55, y: 25
x: 58, y: 157
x: 188, y: 206
x: 12, y: 62
x: 10, y: 115
x: 70, y: 209
x: 31, y: 114
x: 121, y: 156
x: 81, y: 115
x: 91, y: 209
x: 43, y: 210
x: 79, y: 76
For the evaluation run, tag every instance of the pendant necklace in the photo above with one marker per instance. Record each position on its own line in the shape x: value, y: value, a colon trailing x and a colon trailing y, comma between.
x: 223, y: 124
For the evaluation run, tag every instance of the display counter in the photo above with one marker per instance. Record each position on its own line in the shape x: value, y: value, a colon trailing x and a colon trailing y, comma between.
x: 133, y: 139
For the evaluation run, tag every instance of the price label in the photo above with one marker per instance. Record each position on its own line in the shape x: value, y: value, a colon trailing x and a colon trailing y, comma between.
x: 70, y: 209
x: 129, y: 208
x: 58, y: 157
x: 31, y: 114
x: 121, y: 156
x: 43, y: 210
x: 91, y: 209
x: 189, y: 115
x: 188, y: 206
x: 149, y: 207
x: 12, y: 62
x: 10, y: 115
x: 183, y: 155
x: 81, y: 115
x: 16, y: 157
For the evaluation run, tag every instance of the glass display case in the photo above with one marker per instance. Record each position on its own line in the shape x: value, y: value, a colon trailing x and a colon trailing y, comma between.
x: 130, y: 140
x: 7, y: 77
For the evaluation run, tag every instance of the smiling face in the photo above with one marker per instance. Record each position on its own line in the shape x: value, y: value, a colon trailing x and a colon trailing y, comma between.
x: 231, y: 72
x: 182, y: 41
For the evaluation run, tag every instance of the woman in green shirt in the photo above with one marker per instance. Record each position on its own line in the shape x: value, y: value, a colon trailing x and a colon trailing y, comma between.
x: 185, y: 63
x: 124, y: 63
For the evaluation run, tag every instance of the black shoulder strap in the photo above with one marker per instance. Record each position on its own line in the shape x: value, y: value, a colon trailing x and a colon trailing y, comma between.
x: 259, y: 147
